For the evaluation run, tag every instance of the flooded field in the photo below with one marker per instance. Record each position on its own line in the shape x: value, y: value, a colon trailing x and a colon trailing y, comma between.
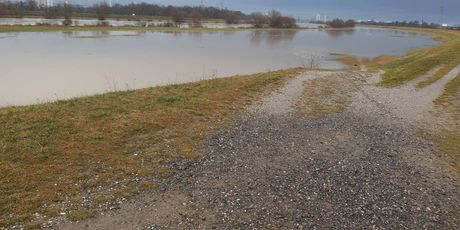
x: 112, y: 22
x: 41, y: 67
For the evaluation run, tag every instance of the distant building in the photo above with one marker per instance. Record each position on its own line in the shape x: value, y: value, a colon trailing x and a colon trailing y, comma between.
x: 44, y: 3
x: 318, y: 17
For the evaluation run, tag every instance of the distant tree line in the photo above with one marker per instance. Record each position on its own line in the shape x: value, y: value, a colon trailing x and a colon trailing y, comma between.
x: 178, y: 15
x: 402, y: 24
x: 339, y: 23
x: 272, y: 19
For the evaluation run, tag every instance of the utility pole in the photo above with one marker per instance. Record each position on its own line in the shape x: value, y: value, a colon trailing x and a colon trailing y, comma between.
x: 442, y: 13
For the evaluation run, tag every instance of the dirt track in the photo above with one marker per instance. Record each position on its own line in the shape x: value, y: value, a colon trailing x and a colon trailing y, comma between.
x: 361, y: 168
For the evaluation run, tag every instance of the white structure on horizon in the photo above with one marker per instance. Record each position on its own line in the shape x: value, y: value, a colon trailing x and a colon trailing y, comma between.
x: 318, y: 17
x: 44, y: 3
x: 321, y: 19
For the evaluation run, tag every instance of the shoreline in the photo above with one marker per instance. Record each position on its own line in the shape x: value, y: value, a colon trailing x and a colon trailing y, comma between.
x: 121, y: 144
x: 60, y: 28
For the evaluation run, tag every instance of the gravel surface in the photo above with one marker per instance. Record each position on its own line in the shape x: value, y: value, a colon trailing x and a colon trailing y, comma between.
x: 359, y: 169
x: 411, y: 105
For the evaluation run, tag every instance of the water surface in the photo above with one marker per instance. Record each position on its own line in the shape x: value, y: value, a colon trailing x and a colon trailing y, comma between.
x: 40, y: 67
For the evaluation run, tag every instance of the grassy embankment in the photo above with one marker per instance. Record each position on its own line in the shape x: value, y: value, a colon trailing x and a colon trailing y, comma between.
x: 419, y: 62
x: 416, y: 63
x: 108, y: 146
x: 449, y: 139
x: 399, y: 70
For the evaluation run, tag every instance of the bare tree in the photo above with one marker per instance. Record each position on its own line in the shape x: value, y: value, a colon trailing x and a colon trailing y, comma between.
x: 231, y: 18
x: 178, y: 17
x: 339, y: 23
x: 287, y: 22
x: 277, y: 20
x: 259, y: 20
x: 274, y: 18
x: 67, y: 13
x: 195, y: 19
x: 310, y: 62
x: 51, y: 12
x: 102, y: 10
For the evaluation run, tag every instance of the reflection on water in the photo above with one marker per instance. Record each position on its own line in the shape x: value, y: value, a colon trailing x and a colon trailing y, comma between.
x: 272, y: 37
x: 340, y: 33
x: 58, y: 65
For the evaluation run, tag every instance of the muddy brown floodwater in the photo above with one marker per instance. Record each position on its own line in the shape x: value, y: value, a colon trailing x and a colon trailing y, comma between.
x: 41, y: 67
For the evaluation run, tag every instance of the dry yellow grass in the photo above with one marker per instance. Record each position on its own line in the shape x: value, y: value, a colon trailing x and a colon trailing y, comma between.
x: 326, y: 95
x: 56, y: 150
x: 415, y: 64
x: 449, y: 140
x: 418, y: 62
x: 352, y: 62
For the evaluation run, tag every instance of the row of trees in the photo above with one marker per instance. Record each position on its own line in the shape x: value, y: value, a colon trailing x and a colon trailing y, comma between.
x: 403, y: 24
x: 273, y: 19
x: 339, y: 23
x: 179, y: 15
x: 29, y: 7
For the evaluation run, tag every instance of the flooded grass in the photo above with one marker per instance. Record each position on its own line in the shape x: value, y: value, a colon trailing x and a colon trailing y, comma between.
x: 107, y: 144
x: 352, y: 62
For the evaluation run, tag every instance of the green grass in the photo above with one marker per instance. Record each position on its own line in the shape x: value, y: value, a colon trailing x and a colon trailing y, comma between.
x: 56, y: 150
x: 450, y: 94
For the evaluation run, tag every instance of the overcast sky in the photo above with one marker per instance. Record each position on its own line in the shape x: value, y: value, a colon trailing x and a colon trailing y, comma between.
x: 428, y: 10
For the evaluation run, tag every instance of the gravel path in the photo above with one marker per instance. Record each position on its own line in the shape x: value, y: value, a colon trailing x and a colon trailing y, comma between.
x: 413, y: 106
x: 359, y: 169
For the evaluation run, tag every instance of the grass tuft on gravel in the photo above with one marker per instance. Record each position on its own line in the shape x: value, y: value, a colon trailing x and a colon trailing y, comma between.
x: 107, y: 144
x: 326, y: 95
